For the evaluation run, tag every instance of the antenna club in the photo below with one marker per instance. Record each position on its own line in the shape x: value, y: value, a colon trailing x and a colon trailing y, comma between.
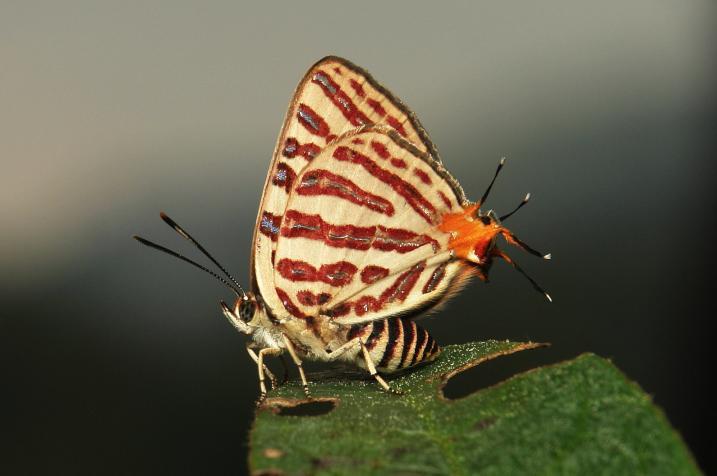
x: 527, y: 197
x: 495, y: 176
x: 548, y: 256
x: 548, y: 297
x: 165, y: 218
x: 175, y: 226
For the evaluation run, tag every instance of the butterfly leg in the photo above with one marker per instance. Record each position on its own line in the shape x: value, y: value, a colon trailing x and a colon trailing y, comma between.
x: 372, y: 370
x: 260, y: 366
x: 297, y: 361
x: 336, y: 353
x: 285, y: 377
x: 268, y: 372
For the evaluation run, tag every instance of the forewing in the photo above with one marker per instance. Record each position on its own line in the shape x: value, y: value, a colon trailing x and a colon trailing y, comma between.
x: 333, y: 97
x: 359, y: 238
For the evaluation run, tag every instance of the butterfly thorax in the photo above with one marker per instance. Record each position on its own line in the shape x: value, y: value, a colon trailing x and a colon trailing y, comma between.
x: 313, y: 336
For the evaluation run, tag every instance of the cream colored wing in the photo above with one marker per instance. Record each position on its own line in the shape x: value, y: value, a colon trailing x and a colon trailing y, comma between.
x: 333, y: 97
x: 360, y: 239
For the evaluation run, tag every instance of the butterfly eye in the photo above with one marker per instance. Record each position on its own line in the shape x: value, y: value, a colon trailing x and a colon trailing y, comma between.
x: 246, y: 310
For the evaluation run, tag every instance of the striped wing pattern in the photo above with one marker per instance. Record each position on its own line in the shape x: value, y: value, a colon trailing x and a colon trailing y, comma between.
x: 334, y: 97
x: 359, y: 238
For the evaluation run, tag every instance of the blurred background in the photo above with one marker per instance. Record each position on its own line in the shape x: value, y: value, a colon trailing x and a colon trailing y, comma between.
x: 115, y: 359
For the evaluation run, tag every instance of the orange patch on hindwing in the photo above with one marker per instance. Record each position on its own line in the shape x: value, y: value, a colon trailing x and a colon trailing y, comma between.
x: 472, y: 236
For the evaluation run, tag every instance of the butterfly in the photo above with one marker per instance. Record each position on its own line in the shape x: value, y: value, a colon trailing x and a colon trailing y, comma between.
x: 360, y: 230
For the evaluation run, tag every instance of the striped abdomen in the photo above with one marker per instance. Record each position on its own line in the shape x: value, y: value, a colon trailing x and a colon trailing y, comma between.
x: 395, y: 343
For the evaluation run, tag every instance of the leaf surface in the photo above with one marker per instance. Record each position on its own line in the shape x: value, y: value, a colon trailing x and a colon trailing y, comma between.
x: 579, y: 417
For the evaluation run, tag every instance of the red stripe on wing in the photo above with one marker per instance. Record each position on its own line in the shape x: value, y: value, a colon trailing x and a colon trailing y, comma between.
x: 414, y: 198
x: 292, y: 148
x: 313, y: 227
x: 380, y: 149
x: 376, y: 106
x: 445, y: 199
x: 436, y: 277
x: 400, y: 288
x: 357, y: 88
x: 323, y: 182
x: 393, y: 122
x: 270, y: 225
x: 398, y: 163
x: 370, y: 274
x: 336, y: 274
x: 284, y: 176
x: 340, y: 99
x: 289, y: 304
x: 312, y: 121
x: 423, y: 176
x: 390, y: 120
x: 397, y: 291
x: 308, y: 298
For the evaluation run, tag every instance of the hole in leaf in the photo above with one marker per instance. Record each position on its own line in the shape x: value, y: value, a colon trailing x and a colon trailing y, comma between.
x: 321, y: 463
x: 491, y: 372
x: 268, y: 472
x: 303, y: 407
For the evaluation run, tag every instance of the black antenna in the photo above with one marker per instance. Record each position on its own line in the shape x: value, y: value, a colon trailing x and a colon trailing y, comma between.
x: 536, y: 286
x: 189, y: 237
x: 238, y: 292
x: 525, y: 246
x: 487, y: 191
x: 520, y: 205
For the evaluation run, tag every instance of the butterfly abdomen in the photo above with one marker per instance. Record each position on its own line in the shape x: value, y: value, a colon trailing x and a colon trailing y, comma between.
x: 395, y: 343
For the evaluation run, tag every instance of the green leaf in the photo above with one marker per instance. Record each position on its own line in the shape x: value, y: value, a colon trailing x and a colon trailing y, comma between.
x: 578, y: 417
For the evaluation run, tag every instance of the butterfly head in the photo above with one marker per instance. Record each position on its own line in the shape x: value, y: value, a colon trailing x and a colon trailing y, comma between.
x: 246, y: 315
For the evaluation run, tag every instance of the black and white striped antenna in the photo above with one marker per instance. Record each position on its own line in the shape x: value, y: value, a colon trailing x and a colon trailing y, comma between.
x: 232, y: 284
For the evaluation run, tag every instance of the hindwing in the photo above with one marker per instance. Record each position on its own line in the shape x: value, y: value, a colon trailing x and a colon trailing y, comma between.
x: 334, y: 97
x: 359, y: 239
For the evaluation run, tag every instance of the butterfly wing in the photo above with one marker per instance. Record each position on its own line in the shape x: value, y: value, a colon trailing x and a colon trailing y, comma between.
x: 360, y: 239
x: 333, y: 97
